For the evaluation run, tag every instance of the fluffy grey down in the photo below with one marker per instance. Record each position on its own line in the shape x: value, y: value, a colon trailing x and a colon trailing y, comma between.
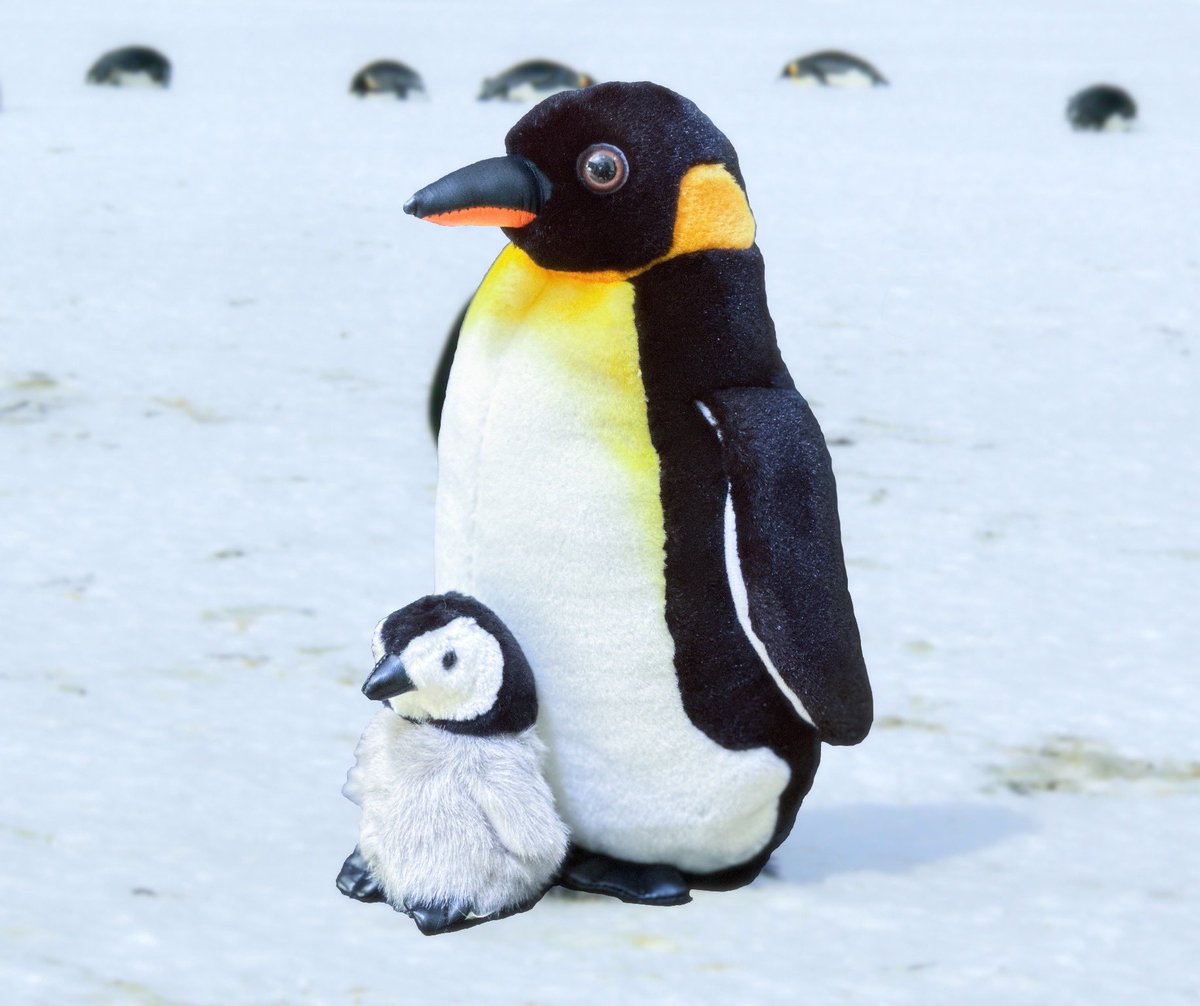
x: 451, y: 819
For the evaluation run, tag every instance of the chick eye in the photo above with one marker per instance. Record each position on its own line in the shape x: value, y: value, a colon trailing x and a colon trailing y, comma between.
x: 449, y: 659
x: 602, y: 168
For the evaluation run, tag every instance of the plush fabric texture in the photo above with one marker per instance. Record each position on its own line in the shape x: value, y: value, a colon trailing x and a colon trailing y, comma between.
x: 789, y: 543
x: 719, y: 673
x: 515, y: 706
x: 662, y: 135
x: 455, y: 820
x: 690, y: 346
x: 441, y: 374
x: 584, y: 496
x: 549, y: 509
x: 456, y: 673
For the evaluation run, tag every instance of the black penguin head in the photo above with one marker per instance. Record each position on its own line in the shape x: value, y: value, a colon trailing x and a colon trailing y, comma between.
x: 449, y: 660
x: 602, y: 180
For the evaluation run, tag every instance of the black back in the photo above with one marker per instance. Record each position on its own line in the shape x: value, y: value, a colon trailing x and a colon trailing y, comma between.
x: 690, y: 345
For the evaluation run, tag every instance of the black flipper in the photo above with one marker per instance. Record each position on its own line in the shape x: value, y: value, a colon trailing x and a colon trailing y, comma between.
x: 355, y: 879
x: 441, y: 374
x: 635, y: 883
x: 789, y: 544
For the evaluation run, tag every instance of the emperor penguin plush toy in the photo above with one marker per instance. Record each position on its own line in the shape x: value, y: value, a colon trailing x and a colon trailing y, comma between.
x: 458, y: 825
x: 629, y: 478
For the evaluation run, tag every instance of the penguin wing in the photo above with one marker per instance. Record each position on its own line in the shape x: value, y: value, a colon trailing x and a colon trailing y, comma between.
x: 441, y: 374
x: 518, y: 805
x: 783, y: 543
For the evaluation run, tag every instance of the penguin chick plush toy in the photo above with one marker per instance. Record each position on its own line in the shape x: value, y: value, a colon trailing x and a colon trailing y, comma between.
x: 628, y: 476
x: 458, y: 825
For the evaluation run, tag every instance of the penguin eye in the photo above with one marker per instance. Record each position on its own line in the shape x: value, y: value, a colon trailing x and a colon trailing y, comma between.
x: 602, y: 168
x: 449, y: 659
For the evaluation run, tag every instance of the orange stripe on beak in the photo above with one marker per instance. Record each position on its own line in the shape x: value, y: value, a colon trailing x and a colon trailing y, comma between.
x: 483, y: 216
x: 504, y: 191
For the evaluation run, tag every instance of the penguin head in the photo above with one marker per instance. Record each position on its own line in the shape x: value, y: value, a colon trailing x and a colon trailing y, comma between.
x: 609, y: 179
x: 449, y: 660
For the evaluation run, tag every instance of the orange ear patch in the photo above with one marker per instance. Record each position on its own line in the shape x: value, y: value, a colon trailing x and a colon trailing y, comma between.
x: 712, y: 212
x: 483, y: 216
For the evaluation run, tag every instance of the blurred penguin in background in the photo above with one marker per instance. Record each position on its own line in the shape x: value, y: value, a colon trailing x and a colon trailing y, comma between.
x: 533, y: 80
x: 386, y: 77
x: 1102, y: 108
x: 132, y: 66
x: 832, y: 68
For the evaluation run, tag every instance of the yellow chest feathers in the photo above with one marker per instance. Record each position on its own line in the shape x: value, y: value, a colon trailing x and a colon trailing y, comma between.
x: 553, y: 356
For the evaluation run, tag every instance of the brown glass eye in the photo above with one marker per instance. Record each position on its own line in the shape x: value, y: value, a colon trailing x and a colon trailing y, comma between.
x: 602, y: 168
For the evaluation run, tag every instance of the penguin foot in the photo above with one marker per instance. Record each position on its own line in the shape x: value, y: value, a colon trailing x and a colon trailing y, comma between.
x: 634, y: 883
x: 435, y: 919
x: 355, y: 879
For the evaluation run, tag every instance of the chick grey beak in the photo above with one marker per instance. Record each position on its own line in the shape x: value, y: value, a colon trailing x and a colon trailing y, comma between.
x: 388, y: 679
x: 501, y: 192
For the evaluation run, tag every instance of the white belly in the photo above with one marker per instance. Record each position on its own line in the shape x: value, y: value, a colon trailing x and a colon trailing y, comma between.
x: 529, y: 93
x: 134, y: 78
x: 548, y: 511
x: 850, y: 77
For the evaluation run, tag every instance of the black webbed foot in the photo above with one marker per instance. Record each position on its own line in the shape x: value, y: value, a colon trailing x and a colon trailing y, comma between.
x: 635, y: 883
x: 355, y: 879
x: 435, y: 919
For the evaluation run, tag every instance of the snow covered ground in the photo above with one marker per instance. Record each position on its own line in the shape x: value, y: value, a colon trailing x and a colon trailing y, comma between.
x: 216, y: 333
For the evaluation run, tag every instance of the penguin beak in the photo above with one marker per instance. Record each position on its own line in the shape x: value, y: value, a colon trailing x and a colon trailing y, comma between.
x: 499, y: 192
x: 388, y: 680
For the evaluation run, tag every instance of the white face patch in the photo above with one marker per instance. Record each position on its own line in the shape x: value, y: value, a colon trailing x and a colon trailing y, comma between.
x: 457, y: 670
